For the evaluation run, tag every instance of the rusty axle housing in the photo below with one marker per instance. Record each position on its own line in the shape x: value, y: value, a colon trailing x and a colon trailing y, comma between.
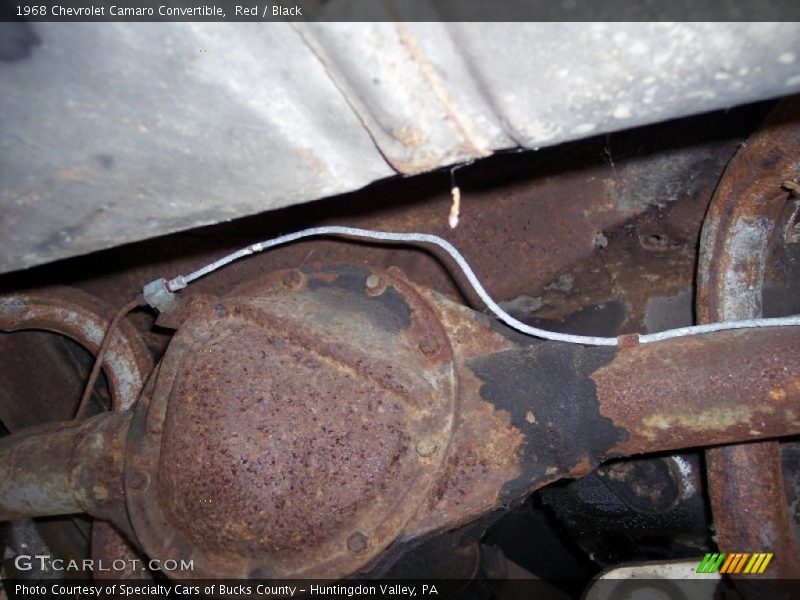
x: 308, y: 422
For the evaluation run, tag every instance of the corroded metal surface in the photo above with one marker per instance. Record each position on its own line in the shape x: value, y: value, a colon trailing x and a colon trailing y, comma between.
x: 703, y: 391
x: 307, y: 389
x: 551, y: 411
x: 97, y: 481
x: 549, y: 396
x: 522, y: 242
x: 109, y: 545
x: 750, y: 508
x: 482, y: 456
x: 83, y: 318
x: 65, y: 468
x: 745, y: 483
x: 306, y: 422
x: 556, y: 410
x: 742, y: 215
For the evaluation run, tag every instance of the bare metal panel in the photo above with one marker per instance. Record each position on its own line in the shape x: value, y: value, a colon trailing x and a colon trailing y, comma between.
x: 111, y: 133
x: 116, y: 132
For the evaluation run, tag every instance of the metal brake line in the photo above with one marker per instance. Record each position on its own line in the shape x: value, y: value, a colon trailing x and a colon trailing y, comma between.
x: 181, y: 281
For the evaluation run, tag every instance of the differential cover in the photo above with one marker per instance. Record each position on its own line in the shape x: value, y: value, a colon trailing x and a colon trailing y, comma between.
x: 294, y: 427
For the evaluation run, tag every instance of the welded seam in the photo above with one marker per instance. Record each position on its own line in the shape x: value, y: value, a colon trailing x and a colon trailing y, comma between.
x: 318, y: 54
x: 435, y: 84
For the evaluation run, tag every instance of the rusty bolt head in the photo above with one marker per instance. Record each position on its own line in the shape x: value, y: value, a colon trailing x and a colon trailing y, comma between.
x: 358, y: 543
x: 427, y: 446
x: 373, y: 282
x: 139, y: 480
x: 429, y: 345
x: 292, y: 280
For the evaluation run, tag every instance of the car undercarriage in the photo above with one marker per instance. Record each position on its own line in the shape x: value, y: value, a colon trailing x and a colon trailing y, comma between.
x: 472, y: 359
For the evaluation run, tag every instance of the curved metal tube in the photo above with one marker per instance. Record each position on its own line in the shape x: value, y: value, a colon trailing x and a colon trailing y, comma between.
x: 746, y: 487
x: 84, y: 319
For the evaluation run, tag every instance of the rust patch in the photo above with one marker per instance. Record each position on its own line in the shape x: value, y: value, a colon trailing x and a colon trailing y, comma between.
x: 630, y: 340
x: 65, y: 468
x: 584, y: 467
x: 109, y: 545
x: 747, y: 203
x: 549, y: 380
x: 702, y: 391
x: 290, y: 398
x: 431, y: 76
x: 410, y: 138
x: 742, y: 241
x: 302, y: 430
x: 484, y: 456
x: 750, y: 482
x: 312, y: 160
